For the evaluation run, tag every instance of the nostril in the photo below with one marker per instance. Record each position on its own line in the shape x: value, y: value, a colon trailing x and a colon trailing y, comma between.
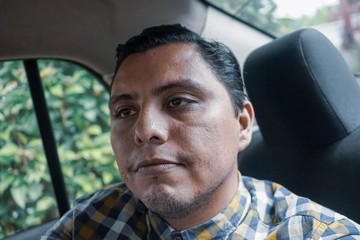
x: 138, y: 140
x: 145, y: 138
x: 154, y: 138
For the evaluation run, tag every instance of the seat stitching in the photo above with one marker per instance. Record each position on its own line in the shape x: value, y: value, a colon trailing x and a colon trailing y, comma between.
x: 317, y: 85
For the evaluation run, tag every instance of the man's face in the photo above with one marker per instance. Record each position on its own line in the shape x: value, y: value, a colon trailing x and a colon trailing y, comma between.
x: 174, y: 132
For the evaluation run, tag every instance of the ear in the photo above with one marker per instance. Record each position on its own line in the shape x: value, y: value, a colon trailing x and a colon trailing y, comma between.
x: 246, y: 120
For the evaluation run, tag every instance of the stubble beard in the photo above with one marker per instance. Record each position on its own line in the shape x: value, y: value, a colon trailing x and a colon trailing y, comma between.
x: 177, y: 205
x: 171, y: 205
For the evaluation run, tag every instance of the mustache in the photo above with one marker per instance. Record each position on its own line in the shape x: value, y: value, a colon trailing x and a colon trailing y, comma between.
x: 186, y: 159
x: 181, y: 158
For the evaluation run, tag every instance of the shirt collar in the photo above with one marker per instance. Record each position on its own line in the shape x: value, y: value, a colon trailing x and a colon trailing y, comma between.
x: 219, y: 227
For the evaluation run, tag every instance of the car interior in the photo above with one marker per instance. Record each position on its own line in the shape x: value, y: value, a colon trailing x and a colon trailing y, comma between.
x: 313, y: 149
x: 304, y: 88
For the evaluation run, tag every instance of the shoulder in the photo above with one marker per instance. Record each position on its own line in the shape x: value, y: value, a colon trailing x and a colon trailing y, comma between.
x: 109, y: 201
x: 286, y: 213
x: 102, y: 210
x: 110, y: 195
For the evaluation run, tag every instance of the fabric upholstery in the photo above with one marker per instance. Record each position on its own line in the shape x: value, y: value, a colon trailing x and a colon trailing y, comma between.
x: 307, y: 105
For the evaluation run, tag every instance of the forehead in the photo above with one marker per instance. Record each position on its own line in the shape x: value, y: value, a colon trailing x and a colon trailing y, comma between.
x: 162, y: 64
x: 175, y: 52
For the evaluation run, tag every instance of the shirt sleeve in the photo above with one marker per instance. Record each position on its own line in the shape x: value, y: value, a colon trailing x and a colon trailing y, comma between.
x: 62, y: 229
x: 341, y: 229
x: 74, y: 224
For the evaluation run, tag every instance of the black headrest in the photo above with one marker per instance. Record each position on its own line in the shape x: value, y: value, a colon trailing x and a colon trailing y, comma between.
x: 302, y: 90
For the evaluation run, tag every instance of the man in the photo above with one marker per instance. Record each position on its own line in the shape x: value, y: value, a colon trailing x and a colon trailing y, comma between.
x: 179, y: 117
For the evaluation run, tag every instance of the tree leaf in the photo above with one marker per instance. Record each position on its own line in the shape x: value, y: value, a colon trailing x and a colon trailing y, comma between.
x: 107, y: 177
x: 22, y: 137
x: 57, y: 90
x: 45, y: 203
x: 5, y: 182
x: 91, y: 115
x: 4, y: 134
x: 35, y: 191
x: 48, y: 72
x: 75, y: 89
x: 19, y: 194
x: 9, y: 149
x: 94, y: 130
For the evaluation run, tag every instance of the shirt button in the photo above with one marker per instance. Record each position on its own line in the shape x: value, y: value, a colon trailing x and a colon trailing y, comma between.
x: 176, y: 236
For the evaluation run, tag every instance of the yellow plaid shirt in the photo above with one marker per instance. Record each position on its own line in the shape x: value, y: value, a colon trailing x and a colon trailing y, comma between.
x: 259, y: 210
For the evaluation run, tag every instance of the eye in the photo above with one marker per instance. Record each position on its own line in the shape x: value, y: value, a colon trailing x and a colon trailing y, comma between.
x: 124, y: 113
x: 183, y: 101
x: 176, y: 102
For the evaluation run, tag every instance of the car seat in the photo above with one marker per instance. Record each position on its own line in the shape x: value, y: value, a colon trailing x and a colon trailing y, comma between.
x: 307, y: 106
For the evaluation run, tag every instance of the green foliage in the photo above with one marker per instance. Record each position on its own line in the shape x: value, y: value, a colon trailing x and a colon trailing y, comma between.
x: 77, y: 104
x: 286, y: 25
x: 261, y: 13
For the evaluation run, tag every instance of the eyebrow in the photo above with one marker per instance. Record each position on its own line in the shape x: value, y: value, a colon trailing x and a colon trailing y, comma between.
x: 186, y: 84
x: 121, y: 97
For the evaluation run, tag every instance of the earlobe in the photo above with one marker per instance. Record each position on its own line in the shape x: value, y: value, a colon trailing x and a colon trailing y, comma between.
x: 246, y: 120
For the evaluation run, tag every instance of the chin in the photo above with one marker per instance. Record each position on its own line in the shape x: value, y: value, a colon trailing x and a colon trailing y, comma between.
x: 169, y: 204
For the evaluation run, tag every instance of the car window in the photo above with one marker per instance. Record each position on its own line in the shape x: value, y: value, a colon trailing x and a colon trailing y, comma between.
x: 77, y: 104
x: 27, y: 197
x: 78, y: 107
x: 339, y: 20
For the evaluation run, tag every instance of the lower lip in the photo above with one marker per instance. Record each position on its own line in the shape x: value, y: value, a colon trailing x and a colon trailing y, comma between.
x: 156, y: 169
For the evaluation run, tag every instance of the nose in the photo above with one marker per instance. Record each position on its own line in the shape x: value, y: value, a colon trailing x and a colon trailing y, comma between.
x: 151, y: 127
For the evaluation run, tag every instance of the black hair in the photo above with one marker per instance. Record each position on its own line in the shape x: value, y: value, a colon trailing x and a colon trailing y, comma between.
x: 219, y: 57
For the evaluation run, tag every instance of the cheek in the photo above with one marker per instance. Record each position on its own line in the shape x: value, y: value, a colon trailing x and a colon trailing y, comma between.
x: 121, y: 136
x: 198, y: 141
x: 121, y: 146
x: 214, y: 138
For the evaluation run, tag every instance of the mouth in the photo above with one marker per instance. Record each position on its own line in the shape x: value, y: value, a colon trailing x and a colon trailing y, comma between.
x: 155, y: 166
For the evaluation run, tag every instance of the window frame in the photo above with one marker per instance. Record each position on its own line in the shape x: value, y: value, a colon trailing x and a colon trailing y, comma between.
x: 44, y: 123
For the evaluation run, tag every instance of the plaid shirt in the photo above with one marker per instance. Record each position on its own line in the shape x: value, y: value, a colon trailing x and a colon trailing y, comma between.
x: 259, y: 210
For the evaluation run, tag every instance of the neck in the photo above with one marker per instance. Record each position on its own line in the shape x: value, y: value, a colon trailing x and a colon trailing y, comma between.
x: 219, y: 200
